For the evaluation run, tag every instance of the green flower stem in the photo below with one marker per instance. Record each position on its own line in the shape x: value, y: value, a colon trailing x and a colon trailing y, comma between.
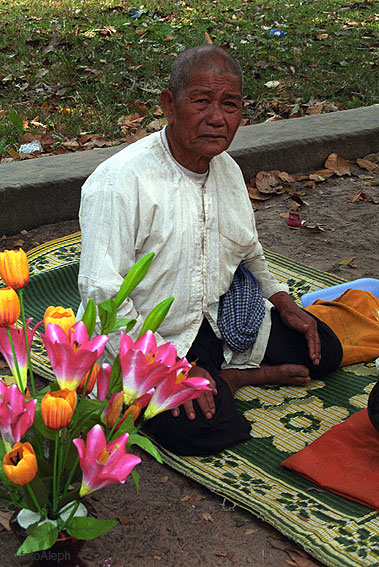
x: 19, y: 384
x: 70, y: 476
x: 75, y: 506
x: 20, y: 295
x: 61, y: 462
x: 35, y: 501
x: 55, y: 466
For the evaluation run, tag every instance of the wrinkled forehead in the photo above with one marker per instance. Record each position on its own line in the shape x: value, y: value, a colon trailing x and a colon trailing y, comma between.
x: 203, y: 81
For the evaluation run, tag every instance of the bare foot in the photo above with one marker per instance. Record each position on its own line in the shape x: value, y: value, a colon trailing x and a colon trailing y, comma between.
x: 284, y: 374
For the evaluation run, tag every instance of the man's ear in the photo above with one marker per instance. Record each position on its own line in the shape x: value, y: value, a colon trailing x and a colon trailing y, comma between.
x: 167, y: 100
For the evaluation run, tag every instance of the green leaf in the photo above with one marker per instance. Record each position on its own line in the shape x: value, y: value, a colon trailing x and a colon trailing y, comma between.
x: 89, y: 317
x: 133, y: 278
x: 126, y: 427
x: 115, y: 381
x: 135, y: 477
x: 156, y: 317
x: 127, y: 323
x: 107, y: 314
x: 17, y: 122
x: 40, y: 425
x: 41, y: 537
x: 89, y: 528
x: 145, y: 444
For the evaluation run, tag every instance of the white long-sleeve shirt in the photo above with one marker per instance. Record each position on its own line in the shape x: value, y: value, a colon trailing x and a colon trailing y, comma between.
x: 140, y: 201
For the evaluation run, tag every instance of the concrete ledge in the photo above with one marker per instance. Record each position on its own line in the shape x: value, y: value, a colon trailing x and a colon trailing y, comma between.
x: 47, y: 190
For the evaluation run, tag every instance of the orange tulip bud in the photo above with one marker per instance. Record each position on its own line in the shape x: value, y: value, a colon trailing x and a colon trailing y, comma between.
x: 134, y: 409
x: 14, y: 268
x: 57, y: 408
x: 9, y: 307
x: 65, y: 318
x: 20, y: 464
x: 91, y: 381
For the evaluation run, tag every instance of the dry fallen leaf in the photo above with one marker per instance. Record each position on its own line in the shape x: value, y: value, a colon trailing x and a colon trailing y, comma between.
x: 208, y: 38
x: 312, y: 228
x: 284, y: 176
x: 367, y: 164
x: 4, y: 519
x: 338, y: 164
x: 267, y: 182
x: 124, y: 521
x: 311, y: 184
x: 19, y: 242
x: 299, y: 558
x: 208, y: 517
x: 362, y: 196
x: 251, y: 531
x: 348, y: 262
x: 255, y: 194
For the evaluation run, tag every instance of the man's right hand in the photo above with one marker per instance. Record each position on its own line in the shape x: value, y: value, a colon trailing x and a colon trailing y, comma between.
x: 205, y: 401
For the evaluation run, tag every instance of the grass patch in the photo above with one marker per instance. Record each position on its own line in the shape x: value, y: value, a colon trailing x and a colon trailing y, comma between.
x: 84, y: 66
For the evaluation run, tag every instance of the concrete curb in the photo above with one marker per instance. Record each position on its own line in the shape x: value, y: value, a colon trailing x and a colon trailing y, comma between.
x: 47, y: 190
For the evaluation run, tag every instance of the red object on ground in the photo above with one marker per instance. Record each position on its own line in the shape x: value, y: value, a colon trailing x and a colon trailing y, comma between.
x: 345, y: 460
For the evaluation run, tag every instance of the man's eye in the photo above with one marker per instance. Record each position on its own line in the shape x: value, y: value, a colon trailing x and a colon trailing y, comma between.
x: 201, y: 100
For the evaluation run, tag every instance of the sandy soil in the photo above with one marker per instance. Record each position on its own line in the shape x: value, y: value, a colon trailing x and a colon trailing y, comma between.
x: 173, y: 521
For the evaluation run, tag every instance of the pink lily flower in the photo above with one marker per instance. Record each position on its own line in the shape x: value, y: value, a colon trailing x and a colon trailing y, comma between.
x: 72, y: 355
x: 18, y: 339
x: 103, y: 464
x: 16, y: 413
x: 143, y: 364
x: 173, y: 391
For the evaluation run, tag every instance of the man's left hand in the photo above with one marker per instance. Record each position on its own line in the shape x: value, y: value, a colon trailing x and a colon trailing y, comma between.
x: 301, y: 321
x: 206, y: 400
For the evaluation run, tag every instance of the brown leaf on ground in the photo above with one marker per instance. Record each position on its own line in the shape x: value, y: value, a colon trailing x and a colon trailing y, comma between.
x: 338, y: 164
x: 207, y: 517
x: 348, y: 262
x: 267, y: 183
x: 256, y: 195
x: 294, y: 205
x: 284, y: 176
x: 311, y: 184
x: 362, y: 196
x: 367, y: 164
x: 124, y: 521
x: 299, y: 558
x: 5, y: 516
x: 208, y: 38
x: 325, y: 173
x: 312, y: 228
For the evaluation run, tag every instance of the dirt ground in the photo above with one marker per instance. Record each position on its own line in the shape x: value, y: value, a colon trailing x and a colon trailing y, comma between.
x: 173, y: 521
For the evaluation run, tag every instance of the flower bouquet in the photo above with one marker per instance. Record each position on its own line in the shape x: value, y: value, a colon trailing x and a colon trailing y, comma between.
x: 65, y: 441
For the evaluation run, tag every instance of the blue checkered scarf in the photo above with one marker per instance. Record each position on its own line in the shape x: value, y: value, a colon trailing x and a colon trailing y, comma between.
x: 241, y: 311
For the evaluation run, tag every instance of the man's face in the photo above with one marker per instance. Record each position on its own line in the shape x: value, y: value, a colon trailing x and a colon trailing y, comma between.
x: 203, y: 118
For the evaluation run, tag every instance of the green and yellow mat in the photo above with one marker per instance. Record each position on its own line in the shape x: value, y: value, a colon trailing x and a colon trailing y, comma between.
x: 337, y: 531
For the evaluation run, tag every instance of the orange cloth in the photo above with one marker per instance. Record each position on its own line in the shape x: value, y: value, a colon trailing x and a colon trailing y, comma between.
x: 345, y: 460
x: 354, y: 317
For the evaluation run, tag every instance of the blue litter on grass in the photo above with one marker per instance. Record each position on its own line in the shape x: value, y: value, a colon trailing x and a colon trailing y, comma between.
x: 330, y: 293
x: 277, y: 33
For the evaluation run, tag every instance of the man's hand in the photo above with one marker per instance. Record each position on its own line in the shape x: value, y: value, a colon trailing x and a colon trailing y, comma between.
x: 205, y: 401
x: 299, y: 320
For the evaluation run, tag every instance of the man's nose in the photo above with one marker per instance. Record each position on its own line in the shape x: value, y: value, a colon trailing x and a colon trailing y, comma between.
x: 216, y: 115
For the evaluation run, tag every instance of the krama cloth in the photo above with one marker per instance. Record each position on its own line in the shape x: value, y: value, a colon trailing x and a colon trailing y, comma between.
x: 345, y: 460
x: 354, y: 317
x: 241, y: 311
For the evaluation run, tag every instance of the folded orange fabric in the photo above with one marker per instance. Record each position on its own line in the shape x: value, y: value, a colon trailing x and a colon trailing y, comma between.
x: 354, y: 317
x: 344, y: 460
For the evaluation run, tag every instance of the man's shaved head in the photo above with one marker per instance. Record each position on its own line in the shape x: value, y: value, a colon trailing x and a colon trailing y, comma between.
x: 201, y: 58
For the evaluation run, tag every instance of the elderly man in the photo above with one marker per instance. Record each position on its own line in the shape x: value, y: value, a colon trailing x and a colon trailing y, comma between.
x: 179, y: 194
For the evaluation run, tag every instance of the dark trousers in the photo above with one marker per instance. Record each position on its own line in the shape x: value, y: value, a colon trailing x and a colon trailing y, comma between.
x: 227, y: 427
